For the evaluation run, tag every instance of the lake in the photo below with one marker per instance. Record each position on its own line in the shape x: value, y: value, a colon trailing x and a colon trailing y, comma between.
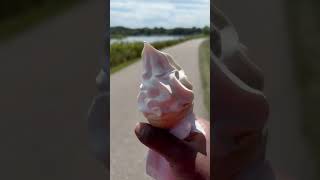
x: 150, y: 39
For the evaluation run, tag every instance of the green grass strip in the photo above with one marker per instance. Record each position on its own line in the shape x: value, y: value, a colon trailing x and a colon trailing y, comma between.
x: 204, y: 65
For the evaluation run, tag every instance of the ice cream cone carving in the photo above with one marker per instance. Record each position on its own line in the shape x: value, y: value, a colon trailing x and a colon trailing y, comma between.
x: 166, y: 96
x: 166, y: 100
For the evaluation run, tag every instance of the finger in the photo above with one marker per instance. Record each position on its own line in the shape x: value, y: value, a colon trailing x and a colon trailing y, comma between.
x: 198, y: 142
x: 163, y: 142
x: 237, y: 105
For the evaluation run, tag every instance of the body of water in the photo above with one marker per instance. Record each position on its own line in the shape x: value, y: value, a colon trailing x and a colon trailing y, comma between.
x: 149, y: 39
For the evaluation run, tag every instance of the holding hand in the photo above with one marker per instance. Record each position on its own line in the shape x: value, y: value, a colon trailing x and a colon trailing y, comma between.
x: 184, y: 157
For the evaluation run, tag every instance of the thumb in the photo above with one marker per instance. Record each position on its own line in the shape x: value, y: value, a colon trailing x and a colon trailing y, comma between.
x: 164, y: 143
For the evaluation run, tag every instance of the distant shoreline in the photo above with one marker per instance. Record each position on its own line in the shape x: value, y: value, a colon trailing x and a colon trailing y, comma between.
x: 124, y: 54
x: 147, y: 38
x: 121, y: 32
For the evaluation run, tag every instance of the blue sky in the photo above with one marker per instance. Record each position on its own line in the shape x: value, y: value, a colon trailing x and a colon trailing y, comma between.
x: 164, y: 13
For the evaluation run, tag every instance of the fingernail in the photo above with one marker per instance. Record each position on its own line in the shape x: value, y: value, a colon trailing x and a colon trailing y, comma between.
x: 141, y: 130
x: 137, y: 128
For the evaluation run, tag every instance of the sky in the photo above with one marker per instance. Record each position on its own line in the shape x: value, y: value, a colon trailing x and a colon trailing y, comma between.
x: 160, y: 13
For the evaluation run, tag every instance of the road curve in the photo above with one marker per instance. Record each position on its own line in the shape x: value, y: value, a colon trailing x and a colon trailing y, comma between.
x: 127, y: 154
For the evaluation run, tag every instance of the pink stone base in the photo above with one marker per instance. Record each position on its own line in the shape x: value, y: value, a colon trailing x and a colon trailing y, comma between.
x: 158, y: 167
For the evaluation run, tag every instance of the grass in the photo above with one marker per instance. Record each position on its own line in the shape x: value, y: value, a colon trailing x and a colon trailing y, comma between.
x: 30, y: 17
x: 304, y: 18
x: 124, y: 54
x: 123, y: 65
x: 204, y: 65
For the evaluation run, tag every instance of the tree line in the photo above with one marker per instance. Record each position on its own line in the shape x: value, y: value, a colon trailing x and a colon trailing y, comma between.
x: 120, y: 31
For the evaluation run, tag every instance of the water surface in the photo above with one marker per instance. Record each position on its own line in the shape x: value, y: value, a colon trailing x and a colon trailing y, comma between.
x: 150, y: 39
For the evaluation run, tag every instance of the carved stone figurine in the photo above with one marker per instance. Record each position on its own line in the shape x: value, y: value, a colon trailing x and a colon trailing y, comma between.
x: 166, y: 100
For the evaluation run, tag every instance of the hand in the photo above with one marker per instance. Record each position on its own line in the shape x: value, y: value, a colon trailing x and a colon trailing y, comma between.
x: 184, y: 157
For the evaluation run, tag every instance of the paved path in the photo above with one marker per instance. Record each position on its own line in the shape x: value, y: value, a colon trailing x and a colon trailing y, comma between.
x: 47, y: 77
x: 126, y: 152
x: 262, y: 28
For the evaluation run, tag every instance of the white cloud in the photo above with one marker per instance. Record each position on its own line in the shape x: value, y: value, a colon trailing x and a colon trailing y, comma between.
x: 167, y: 13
